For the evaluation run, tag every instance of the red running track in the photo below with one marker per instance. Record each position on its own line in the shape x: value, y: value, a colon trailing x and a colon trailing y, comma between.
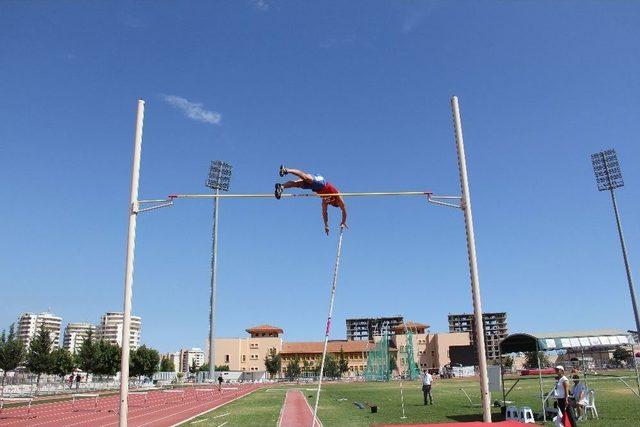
x: 296, y: 411
x: 161, y: 409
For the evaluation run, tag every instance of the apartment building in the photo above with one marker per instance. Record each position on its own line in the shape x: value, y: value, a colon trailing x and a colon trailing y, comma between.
x: 190, y: 356
x: 75, y: 334
x: 110, y: 329
x: 29, y: 325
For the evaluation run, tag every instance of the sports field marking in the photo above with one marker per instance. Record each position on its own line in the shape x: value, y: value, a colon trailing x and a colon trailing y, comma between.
x: 213, y: 409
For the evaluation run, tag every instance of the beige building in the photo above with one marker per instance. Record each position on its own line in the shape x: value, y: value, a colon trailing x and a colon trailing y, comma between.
x: 430, y: 350
x: 75, y: 334
x: 248, y: 353
x: 29, y: 325
x: 110, y: 329
x: 310, y: 354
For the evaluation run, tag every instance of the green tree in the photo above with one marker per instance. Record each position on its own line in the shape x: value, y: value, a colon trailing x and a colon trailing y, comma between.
x: 531, y: 360
x: 343, y: 362
x: 273, y: 364
x: 507, y: 362
x: 144, y: 362
x: 86, y: 356
x: 167, y: 365
x: 193, y: 368
x: 12, y: 353
x: 293, y: 368
x: 107, y: 358
x: 622, y: 355
x: 219, y: 368
x: 39, y: 359
x: 331, y: 368
x: 61, y: 362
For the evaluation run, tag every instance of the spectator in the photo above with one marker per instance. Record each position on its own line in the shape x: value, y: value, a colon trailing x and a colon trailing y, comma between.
x: 220, y: 382
x: 561, y: 394
x: 70, y: 381
x: 78, y: 378
x: 579, y: 396
x: 427, y: 380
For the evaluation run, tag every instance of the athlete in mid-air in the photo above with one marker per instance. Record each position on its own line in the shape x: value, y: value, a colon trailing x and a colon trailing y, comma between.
x: 318, y: 185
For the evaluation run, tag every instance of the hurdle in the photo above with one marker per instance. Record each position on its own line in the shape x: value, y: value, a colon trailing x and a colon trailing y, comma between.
x: 84, y: 396
x: 205, y: 390
x: 170, y: 392
x: 140, y: 393
x: 27, y: 399
x: 230, y: 388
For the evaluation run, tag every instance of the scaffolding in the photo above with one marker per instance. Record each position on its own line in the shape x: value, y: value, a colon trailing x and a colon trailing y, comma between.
x: 412, y: 371
x: 378, y: 366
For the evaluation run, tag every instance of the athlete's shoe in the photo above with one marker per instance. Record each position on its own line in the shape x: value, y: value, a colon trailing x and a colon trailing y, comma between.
x: 278, y: 191
x: 283, y: 171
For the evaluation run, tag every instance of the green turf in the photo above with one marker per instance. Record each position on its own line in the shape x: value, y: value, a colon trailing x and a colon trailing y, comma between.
x: 260, y: 408
x: 616, y: 404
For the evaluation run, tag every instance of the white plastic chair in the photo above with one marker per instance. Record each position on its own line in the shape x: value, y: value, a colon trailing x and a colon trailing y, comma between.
x: 591, y: 404
x: 512, y: 413
x: 526, y: 415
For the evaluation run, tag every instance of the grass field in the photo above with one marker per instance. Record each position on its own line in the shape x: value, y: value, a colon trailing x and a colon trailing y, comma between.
x: 616, y: 404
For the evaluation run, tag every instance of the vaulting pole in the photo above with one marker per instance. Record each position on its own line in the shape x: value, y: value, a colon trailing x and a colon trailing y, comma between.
x: 328, y: 328
x: 128, y: 275
x: 473, y: 264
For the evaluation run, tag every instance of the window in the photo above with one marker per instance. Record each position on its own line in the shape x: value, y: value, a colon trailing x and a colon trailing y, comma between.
x: 244, y: 358
x: 253, y: 345
x: 254, y: 357
x: 226, y: 358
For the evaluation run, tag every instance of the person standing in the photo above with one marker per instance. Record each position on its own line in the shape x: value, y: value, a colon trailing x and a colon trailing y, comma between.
x: 427, y: 380
x: 561, y: 394
x: 78, y: 378
x: 220, y: 382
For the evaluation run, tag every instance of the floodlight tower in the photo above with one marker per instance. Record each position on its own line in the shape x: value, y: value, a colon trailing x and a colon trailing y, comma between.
x: 609, y: 177
x: 218, y: 179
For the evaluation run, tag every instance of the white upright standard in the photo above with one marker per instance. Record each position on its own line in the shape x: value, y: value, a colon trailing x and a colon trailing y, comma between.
x: 473, y: 265
x: 128, y: 275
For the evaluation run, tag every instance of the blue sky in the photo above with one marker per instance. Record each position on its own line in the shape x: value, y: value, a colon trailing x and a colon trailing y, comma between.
x: 358, y: 91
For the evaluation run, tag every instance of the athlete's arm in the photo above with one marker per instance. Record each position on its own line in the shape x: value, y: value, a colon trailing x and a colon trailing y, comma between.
x: 325, y: 216
x: 343, y: 208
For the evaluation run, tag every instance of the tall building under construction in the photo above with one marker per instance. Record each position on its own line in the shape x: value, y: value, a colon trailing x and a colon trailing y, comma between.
x: 495, y: 329
x: 366, y: 328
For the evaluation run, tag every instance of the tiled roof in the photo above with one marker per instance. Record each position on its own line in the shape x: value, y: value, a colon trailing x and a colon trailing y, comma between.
x: 412, y: 326
x: 265, y: 328
x: 333, y: 347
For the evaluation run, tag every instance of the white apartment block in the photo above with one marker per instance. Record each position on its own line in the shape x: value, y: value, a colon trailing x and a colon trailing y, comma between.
x: 110, y: 329
x: 29, y: 325
x: 188, y: 356
x: 75, y: 334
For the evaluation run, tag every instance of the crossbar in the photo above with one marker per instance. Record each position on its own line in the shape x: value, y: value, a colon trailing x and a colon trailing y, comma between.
x: 288, y: 195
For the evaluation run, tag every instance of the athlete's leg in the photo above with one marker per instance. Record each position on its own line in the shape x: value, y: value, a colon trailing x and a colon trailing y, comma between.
x: 308, y: 178
x: 293, y: 184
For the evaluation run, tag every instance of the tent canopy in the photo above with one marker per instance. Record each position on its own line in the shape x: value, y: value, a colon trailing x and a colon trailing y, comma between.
x: 525, y: 342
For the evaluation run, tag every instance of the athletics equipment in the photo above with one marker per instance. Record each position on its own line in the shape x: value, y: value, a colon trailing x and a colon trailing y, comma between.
x: 462, y: 202
x: 328, y: 328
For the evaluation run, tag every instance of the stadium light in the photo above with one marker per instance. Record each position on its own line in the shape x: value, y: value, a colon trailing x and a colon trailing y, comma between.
x: 609, y: 177
x: 219, y: 179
